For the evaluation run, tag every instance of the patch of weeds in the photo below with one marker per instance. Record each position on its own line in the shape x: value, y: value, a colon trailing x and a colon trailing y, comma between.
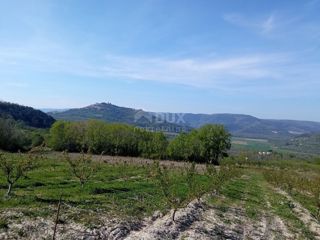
x: 252, y: 212
x: 4, y: 224
x: 21, y: 233
x: 223, y: 208
x: 290, y: 204
x: 227, y: 221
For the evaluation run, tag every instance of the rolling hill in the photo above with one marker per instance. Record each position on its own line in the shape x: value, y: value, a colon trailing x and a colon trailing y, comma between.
x: 238, y: 124
x: 115, y: 114
x: 249, y: 126
x: 27, y: 115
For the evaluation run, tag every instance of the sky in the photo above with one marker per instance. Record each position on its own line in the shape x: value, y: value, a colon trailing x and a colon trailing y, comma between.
x: 201, y: 56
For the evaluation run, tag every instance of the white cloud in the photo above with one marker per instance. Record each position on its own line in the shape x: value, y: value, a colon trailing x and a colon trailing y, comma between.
x: 262, y: 25
x: 269, y: 24
x: 194, y: 72
x: 245, y: 73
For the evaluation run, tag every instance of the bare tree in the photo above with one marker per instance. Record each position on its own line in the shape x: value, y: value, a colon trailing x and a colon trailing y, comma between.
x: 82, y: 167
x: 166, y: 184
x: 15, y: 167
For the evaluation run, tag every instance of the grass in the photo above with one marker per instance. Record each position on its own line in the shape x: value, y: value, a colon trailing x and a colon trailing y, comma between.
x: 255, y: 195
x: 251, y: 144
x: 118, y: 188
x: 121, y: 190
x: 284, y: 209
x: 125, y: 191
x: 245, y: 192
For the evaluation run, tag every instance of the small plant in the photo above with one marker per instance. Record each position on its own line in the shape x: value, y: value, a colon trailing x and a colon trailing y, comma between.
x: 196, y: 188
x: 166, y: 185
x: 57, y: 218
x: 124, y: 170
x: 212, y: 174
x: 82, y: 167
x: 315, y: 189
x: 3, y: 224
x: 219, y: 178
x: 191, y: 181
x: 290, y: 204
x: 210, y: 169
x: 15, y: 167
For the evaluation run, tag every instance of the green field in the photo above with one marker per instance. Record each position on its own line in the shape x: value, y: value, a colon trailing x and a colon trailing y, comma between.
x: 129, y: 189
x: 251, y: 144
x: 303, y: 147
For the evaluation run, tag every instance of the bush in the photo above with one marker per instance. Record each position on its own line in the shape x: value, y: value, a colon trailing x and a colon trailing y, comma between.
x: 209, y: 144
x: 12, y: 136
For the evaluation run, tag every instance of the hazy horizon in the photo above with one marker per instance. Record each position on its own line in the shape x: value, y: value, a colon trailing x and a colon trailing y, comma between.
x: 164, y: 56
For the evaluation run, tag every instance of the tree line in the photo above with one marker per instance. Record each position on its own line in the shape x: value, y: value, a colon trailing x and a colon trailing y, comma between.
x: 208, y: 144
x: 112, y: 139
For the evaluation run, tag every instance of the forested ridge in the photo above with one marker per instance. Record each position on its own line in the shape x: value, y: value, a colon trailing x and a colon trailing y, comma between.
x: 28, y: 115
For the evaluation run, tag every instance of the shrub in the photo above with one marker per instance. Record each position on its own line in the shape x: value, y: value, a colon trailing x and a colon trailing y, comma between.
x: 12, y: 136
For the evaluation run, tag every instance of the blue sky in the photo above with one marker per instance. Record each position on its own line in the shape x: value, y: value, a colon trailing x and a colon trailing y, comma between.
x: 254, y: 57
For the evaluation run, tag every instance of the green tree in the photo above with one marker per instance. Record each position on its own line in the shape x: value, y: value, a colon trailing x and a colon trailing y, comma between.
x: 215, y: 142
x: 57, y: 139
x: 208, y: 144
x: 98, y: 137
x: 152, y: 145
x: 179, y: 148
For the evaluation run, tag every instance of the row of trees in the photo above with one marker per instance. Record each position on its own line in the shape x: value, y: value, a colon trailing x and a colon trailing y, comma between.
x: 208, y: 144
x: 112, y: 139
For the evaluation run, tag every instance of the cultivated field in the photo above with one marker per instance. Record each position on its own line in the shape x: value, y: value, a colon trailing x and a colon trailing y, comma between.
x: 135, y: 198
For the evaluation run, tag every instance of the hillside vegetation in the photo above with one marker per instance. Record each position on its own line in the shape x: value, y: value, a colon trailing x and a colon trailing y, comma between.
x: 27, y: 115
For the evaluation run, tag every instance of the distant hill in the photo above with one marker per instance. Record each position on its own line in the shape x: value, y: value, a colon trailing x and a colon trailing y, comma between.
x: 307, y: 143
x: 115, y: 114
x: 27, y: 115
x: 238, y: 124
x: 46, y: 110
x: 249, y: 126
